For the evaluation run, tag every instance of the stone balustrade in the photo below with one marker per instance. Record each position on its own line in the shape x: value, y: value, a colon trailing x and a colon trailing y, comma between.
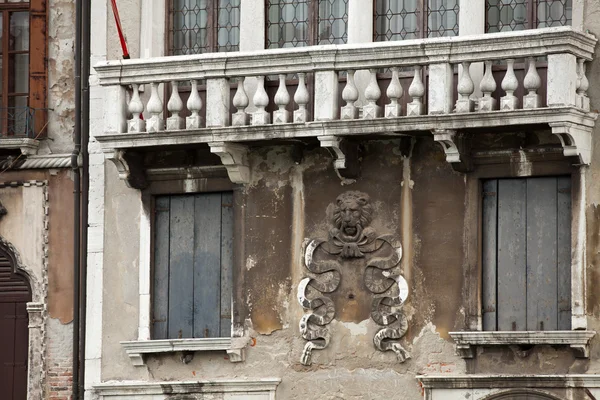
x: 433, y: 78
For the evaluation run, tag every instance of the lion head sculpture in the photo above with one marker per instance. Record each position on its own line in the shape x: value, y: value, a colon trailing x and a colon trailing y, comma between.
x: 352, y: 214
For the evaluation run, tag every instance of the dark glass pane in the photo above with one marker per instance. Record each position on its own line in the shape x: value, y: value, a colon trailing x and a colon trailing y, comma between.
x: 397, y: 20
x: 506, y: 15
x: 228, y: 29
x: 554, y: 13
x: 19, y: 73
x: 333, y: 22
x: 19, y: 31
x: 190, y: 23
x: 442, y: 18
x: 287, y: 24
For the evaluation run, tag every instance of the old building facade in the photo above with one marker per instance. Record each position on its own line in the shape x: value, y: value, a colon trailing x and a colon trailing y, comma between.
x: 36, y: 191
x: 344, y: 199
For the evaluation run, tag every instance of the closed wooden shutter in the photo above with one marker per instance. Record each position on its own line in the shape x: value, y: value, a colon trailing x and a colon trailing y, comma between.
x: 193, y: 266
x: 526, y: 254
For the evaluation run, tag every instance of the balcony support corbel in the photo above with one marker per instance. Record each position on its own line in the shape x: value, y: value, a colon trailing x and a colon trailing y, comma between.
x: 576, y: 140
x: 456, y: 147
x: 235, y: 159
x: 130, y: 166
x: 346, y: 157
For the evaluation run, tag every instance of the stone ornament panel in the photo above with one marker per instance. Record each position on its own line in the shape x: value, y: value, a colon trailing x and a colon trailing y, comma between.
x: 351, y: 239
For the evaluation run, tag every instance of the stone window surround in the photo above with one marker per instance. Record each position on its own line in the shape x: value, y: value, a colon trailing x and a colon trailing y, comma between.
x: 170, y: 184
x: 473, y: 335
x: 239, y: 387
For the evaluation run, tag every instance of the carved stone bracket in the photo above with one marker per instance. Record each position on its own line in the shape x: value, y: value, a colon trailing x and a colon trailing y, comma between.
x: 576, y: 140
x: 346, y: 156
x: 130, y: 167
x: 235, y: 158
x: 456, y: 148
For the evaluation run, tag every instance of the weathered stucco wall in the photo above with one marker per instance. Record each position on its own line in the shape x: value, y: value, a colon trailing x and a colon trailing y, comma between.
x: 61, y: 78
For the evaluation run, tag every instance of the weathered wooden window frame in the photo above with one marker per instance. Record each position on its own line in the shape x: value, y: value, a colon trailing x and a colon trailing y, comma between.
x: 137, y: 350
x: 473, y: 334
x: 531, y: 7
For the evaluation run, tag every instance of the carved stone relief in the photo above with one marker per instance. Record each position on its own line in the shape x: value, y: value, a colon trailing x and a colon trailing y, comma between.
x: 351, y: 239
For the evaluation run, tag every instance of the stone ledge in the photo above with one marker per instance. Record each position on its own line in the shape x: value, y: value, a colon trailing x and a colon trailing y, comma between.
x: 266, y: 386
x: 136, y: 350
x: 27, y: 146
x: 577, y: 340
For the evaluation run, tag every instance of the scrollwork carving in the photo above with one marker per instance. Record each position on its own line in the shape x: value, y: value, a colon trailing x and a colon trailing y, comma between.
x: 350, y: 239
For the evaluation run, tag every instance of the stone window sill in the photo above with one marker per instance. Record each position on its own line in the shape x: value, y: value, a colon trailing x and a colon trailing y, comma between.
x: 138, y: 349
x: 578, y: 341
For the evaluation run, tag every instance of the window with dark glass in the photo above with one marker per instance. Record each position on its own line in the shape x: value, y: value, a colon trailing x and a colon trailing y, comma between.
x: 23, y: 68
x: 516, y: 15
x: 297, y: 23
x: 413, y: 19
x: 203, y: 26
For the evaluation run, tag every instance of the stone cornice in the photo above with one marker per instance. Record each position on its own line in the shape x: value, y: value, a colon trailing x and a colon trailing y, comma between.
x: 264, y: 385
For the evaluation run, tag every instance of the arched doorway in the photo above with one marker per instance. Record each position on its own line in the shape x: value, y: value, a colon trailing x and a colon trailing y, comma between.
x: 15, y: 293
x: 522, y: 395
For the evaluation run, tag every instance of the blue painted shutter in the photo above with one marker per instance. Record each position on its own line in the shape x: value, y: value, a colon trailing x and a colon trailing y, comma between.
x: 192, y: 266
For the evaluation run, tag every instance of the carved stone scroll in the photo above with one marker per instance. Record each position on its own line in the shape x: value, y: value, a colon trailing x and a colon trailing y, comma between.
x: 351, y: 239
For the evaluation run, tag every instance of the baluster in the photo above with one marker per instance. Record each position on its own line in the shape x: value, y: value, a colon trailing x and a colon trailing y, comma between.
x: 416, y: 91
x: 155, y: 108
x: 282, y: 99
x: 509, y: 85
x: 301, y: 97
x: 194, y: 105
x: 261, y: 101
x: 136, y: 107
x: 372, y: 94
x: 487, y: 87
x: 532, y: 83
x: 349, y: 95
x: 175, y: 106
x: 583, y: 101
x: 465, y: 89
x: 394, y: 93
x: 240, y: 102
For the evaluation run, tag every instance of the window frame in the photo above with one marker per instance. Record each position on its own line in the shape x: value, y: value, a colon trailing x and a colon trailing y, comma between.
x: 532, y: 12
x: 313, y: 21
x: 422, y: 22
x: 471, y: 333
x: 144, y: 345
x: 212, y: 28
x: 37, y: 66
x: 473, y: 266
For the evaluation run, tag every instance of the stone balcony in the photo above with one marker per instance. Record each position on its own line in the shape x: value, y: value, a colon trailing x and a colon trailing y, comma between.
x: 336, y: 95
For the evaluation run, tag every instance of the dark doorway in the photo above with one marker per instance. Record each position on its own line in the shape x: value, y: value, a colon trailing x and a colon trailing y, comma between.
x: 14, y: 334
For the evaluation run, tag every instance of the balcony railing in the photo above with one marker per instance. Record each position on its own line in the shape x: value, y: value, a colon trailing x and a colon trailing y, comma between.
x: 17, y: 122
x: 440, y: 86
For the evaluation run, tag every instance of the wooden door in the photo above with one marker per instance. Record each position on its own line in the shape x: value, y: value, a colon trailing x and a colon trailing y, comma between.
x: 527, y: 254
x: 14, y: 334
